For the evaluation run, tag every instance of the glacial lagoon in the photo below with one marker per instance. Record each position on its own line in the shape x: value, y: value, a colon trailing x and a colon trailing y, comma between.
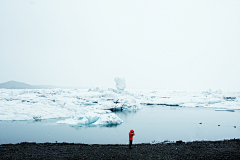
x: 152, y: 124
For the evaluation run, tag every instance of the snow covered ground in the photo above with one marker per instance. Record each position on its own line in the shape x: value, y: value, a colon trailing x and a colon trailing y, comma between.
x: 95, y: 106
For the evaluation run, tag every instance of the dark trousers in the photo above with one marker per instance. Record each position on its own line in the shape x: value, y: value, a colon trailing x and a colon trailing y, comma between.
x: 130, y: 143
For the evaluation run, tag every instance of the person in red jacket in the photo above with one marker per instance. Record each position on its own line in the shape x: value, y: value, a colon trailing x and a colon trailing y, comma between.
x: 131, y: 134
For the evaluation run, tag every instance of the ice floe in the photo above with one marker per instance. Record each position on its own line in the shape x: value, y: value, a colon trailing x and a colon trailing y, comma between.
x: 96, y: 106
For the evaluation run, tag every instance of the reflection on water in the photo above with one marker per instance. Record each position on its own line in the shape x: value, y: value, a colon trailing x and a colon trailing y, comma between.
x: 78, y: 127
x: 126, y: 113
x: 109, y: 125
x: 152, y: 123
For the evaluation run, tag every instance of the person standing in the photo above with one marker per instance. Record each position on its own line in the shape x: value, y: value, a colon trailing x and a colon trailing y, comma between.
x: 131, y: 134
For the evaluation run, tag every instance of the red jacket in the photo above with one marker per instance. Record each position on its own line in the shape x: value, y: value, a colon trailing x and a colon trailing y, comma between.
x: 131, y: 134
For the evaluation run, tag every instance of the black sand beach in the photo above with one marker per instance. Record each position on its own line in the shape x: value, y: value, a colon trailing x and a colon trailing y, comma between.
x: 226, y: 149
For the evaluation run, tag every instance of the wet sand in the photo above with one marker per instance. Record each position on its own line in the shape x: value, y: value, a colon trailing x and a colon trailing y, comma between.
x: 226, y: 149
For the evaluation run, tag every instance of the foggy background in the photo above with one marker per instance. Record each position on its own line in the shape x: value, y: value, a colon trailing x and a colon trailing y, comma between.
x: 153, y: 44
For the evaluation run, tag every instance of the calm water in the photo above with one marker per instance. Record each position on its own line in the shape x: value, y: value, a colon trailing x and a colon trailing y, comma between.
x: 154, y: 123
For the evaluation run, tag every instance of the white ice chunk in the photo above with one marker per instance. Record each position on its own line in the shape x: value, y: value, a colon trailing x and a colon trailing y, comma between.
x: 107, y: 119
x: 106, y: 105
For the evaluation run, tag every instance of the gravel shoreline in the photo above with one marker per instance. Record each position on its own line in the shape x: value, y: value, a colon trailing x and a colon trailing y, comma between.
x: 225, y: 149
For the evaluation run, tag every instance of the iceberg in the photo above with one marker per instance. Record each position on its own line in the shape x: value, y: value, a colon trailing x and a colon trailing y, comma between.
x: 88, y: 118
x: 120, y: 83
x: 94, y: 119
x: 109, y: 119
x: 93, y: 106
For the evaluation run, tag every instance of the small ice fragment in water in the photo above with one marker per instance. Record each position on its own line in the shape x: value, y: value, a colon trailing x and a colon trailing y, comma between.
x: 37, y: 118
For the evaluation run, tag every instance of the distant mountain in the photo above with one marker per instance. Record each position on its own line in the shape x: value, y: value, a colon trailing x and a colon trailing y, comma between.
x: 20, y: 85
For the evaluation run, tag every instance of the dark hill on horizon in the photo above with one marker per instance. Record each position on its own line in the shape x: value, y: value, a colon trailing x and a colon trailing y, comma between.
x: 21, y: 85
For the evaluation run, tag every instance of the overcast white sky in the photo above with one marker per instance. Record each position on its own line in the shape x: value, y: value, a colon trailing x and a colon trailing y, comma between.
x: 168, y: 44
